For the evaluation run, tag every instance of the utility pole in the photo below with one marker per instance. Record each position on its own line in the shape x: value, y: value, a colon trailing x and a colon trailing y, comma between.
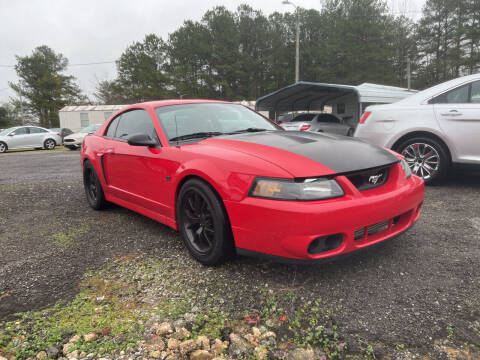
x: 21, y: 110
x: 408, y: 74
x: 297, y: 49
x: 297, y: 42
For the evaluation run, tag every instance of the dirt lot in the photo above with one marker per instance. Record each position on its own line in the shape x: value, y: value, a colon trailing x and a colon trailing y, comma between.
x: 406, y: 293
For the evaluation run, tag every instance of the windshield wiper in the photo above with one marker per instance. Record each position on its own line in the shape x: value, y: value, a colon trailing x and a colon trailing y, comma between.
x: 196, y: 135
x: 251, y: 129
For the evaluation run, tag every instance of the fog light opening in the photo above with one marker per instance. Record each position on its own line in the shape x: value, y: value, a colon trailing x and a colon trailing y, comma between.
x: 325, y: 243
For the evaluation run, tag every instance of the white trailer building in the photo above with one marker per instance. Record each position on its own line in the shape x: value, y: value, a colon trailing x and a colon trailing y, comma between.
x: 78, y: 117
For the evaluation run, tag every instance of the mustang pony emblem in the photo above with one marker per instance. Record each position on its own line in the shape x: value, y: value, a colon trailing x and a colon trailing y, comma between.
x: 374, y: 178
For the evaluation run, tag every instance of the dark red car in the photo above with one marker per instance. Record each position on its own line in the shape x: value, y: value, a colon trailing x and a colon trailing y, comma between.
x: 231, y: 181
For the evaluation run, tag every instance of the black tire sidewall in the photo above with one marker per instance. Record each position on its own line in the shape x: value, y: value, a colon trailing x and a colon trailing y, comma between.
x: 100, y: 202
x: 6, y: 147
x: 223, y: 239
x: 442, y: 152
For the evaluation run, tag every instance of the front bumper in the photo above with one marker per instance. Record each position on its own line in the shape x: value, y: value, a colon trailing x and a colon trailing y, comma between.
x: 286, y: 229
x: 72, y: 143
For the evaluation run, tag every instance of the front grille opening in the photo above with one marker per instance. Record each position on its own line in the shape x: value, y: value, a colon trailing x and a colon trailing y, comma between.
x: 379, y: 227
x: 369, y: 179
x: 365, y: 232
x: 325, y: 243
x: 359, y: 233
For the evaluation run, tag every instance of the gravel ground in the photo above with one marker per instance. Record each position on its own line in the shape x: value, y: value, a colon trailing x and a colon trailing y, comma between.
x: 408, y: 290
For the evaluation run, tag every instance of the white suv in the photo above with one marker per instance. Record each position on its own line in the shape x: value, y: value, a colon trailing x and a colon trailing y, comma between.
x: 434, y: 128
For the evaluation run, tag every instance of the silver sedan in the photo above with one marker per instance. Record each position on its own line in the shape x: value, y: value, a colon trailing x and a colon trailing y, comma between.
x: 27, y: 137
x: 327, y: 123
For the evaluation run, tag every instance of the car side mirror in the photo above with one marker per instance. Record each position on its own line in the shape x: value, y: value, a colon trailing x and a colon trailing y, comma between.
x: 11, y: 134
x: 141, y: 140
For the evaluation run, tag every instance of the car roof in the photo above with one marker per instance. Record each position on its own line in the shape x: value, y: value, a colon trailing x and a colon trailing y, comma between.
x: 438, y: 89
x: 158, y: 103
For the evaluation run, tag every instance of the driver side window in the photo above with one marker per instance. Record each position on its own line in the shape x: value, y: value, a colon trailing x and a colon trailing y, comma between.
x: 130, y: 123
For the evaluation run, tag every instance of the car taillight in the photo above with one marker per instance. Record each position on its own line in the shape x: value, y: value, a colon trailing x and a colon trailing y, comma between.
x: 305, y: 127
x: 59, y: 134
x: 364, y: 117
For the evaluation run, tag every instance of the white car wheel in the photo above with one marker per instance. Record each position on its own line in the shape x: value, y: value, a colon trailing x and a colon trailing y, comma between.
x: 49, y: 144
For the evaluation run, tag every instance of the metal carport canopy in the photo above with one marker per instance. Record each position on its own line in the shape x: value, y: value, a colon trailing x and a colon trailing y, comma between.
x: 303, y: 96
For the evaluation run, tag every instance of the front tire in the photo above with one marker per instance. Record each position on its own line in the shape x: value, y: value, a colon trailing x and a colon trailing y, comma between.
x: 49, y: 144
x: 427, y: 158
x: 3, y: 147
x: 203, y: 223
x: 93, y: 187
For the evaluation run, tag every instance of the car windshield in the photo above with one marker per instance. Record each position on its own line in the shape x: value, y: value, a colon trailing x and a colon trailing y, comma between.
x: 193, y: 121
x: 6, y: 131
x: 89, y: 129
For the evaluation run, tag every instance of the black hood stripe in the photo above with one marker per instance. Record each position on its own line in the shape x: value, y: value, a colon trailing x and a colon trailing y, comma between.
x: 339, y: 153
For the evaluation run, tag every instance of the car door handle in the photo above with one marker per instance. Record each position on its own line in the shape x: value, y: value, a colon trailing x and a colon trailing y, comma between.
x: 452, y: 113
x: 105, y: 152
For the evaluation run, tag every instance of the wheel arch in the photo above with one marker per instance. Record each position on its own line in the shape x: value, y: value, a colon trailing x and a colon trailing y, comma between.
x: 426, y: 134
x: 198, y: 177
x: 4, y: 143
x: 49, y: 138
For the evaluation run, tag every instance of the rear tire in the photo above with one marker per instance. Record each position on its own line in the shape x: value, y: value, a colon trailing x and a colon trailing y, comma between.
x: 3, y: 147
x: 93, y: 187
x: 350, y: 132
x: 203, y: 223
x: 427, y: 157
x: 73, y: 148
x: 49, y: 144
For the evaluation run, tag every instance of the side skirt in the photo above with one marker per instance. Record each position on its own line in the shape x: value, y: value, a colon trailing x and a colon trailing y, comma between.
x: 143, y: 211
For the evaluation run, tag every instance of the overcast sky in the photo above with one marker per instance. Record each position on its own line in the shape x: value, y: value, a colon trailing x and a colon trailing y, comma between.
x: 99, y: 30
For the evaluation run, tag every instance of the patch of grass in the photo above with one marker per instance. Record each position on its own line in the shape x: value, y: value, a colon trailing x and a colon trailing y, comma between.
x: 65, y: 239
x: 450, y: 332
x: 9, y: 188
x: 132, y: 290
x: 115, y: 318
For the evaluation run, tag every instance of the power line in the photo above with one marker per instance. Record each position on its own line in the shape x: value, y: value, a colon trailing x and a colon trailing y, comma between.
x: 70, y: 65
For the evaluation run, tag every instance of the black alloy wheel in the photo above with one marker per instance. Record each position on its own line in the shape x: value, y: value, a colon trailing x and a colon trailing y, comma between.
x: 203, y: 223
x: 93, y: 188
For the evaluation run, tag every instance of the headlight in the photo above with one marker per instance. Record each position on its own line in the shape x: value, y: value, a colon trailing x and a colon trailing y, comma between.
x: 406, y: 168
x: 305, y: 190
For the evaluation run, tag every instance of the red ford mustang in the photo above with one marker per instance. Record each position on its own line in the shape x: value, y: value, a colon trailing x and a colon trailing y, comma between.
x: 231, y: 181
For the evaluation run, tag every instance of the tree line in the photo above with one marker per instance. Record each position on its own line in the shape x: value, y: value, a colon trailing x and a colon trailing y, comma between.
x: 244, y: 54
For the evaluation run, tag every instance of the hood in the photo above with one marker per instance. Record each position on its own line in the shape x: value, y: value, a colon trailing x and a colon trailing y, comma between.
x: 76, y: 136
x: 305, y: 154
